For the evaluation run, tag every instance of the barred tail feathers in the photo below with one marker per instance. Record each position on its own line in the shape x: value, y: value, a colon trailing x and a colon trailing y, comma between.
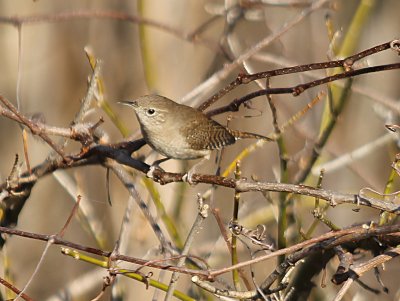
x: 246, y: 135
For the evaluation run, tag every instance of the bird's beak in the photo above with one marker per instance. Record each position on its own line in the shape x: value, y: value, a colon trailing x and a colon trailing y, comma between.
x: 128, y: 103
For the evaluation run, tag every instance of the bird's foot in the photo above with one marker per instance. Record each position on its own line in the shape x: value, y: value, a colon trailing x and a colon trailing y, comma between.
x: 153, y: 168
x: 188, y: 177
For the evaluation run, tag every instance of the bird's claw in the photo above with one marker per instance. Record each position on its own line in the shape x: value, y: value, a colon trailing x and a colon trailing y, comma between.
x: 188, y: 178
x: 154, y: 167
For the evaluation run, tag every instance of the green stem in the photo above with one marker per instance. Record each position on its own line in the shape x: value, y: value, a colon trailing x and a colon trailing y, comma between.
x: 127, y: 273
x: 339, y: 95
x: 386, y: 216
x: 235, y: 215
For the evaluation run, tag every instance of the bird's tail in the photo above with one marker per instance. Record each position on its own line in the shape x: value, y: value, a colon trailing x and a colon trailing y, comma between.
x: 246, y: 135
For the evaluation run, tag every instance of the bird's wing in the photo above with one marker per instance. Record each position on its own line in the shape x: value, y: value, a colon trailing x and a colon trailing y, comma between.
x: 207, y: 134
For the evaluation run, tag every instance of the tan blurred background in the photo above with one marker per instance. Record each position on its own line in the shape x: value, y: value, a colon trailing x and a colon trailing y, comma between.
x: 53, y: 80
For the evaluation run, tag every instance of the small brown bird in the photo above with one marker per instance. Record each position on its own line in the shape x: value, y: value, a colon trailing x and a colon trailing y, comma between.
x: 181, y: 132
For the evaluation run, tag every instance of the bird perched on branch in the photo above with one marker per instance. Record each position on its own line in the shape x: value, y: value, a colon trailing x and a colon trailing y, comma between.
x: 181, y: 132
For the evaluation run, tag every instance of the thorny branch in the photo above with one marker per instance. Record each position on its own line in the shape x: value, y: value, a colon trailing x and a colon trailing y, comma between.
x: 346, y: 63
x: 351, y: 236
x: 16, y: 190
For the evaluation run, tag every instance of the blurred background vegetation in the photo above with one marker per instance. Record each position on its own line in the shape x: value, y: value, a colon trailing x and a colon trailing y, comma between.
x: 46, y: 65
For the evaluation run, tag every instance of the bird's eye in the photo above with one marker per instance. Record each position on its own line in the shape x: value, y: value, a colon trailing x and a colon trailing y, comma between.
x: 150, y: 112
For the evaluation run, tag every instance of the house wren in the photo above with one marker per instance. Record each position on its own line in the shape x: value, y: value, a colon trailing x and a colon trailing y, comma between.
x: 181, y: 132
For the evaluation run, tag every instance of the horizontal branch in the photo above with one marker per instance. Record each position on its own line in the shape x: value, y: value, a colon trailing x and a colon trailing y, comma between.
x: 234, y: 105
x: 333, y: 197
x: 121, y: 152
x: 345, y: 63
x: 111, y: 15
x: 322, y: 242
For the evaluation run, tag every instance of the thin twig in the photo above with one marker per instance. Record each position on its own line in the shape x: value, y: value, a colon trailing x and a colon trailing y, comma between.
x: 296, y: 90
x: 50, y: 241
x: 33, y: 127
x: 201, y: 216
x: 14, y: 289
x: 222, y: 74
x: 104, y: 14
x: 322, y: 242
x: 126, y: 179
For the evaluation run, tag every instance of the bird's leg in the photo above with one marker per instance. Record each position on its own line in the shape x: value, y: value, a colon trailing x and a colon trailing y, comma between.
x: 187, y: 177
x: 154, y: 166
